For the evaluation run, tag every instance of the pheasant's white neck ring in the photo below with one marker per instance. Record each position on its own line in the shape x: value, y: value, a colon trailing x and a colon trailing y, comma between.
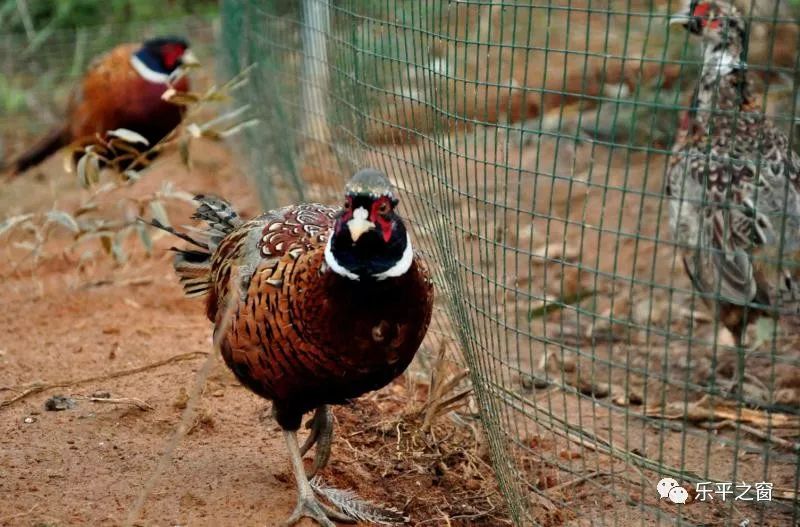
x: 402, y: 265
x: 146, y: 73
x: 398, y: 269
x: 335, y: 266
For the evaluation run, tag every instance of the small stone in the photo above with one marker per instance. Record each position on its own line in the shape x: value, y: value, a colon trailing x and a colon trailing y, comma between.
x: 540, y: 383
x: 568, y: 365
x: 58, y: 403
x: 529, y: 382
x: 101, y: 394
x: 182, y: 399
x: 28, y: 420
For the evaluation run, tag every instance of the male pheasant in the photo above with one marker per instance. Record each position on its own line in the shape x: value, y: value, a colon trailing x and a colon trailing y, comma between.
x: 121, y: 89
x: 325, y: 304
x: 734, y: 184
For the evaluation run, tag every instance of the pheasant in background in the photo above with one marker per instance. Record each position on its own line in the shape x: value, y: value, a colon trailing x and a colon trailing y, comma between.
x: 121, y: 89
x: 734, y: 185
x: 326, y: 304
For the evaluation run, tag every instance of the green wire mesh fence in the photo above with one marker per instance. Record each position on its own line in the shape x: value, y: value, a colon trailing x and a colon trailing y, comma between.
x: 529, y: 141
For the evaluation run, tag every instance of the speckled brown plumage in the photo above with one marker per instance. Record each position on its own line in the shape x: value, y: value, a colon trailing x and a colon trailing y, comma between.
x: 328, y: 304
x: 302, y: 335
x: 734, y: 184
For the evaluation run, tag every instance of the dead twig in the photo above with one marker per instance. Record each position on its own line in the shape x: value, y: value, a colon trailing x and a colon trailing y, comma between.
x: 187, y: 418
x: 578, y: 480
x: 761, y: 434
x: 708, y: 409
x: 142, y: 280
x: 6, y: 519
x: 133, y: 401
x: 481, y: 514
x: 32, y: 389
x: 441, y: 398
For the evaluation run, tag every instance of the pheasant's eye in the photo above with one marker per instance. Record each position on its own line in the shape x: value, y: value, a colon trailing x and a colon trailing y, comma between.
x: 384, y: 208
x: 347, y: 204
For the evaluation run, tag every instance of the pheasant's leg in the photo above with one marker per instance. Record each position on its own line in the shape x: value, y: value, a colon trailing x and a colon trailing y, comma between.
x: 322, y: 436
x: 738, y: 380
x: 734, y: 375
x: 314, y: 425
x: 307, y: 504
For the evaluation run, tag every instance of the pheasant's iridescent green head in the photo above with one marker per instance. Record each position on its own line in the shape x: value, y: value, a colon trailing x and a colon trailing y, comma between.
x: 369, y: 238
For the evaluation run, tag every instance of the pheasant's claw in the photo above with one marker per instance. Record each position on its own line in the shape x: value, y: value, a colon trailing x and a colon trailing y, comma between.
x: 310, y: 507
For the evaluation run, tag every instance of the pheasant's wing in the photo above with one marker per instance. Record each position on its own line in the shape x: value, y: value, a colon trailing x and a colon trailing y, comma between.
x: 752, y: 208
x: 258, y: 245
x: 720, y: 263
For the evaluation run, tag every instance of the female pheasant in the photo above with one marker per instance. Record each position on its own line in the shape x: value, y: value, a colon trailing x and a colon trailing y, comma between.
x: 327, y: 304
x: 734, y: 185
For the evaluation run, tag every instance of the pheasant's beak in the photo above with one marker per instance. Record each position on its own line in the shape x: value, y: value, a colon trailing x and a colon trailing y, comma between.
x: 679, y: 19
x: 359, y: 224
x: 189, y: 59
x: 359, y: 227
x: 689, y: 22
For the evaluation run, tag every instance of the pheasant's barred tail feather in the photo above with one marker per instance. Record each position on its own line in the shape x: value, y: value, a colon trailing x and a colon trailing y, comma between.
x: 194, y: 270
x: 220, y: 217
x: 193, y: 266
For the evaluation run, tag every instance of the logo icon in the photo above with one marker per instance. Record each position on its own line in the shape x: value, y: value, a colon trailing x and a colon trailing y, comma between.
x: 664, y: 486
x: 678, y: 495
x: 669, y: 488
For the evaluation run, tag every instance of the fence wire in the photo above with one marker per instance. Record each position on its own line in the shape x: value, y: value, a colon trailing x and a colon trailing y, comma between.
x: 529, y: 141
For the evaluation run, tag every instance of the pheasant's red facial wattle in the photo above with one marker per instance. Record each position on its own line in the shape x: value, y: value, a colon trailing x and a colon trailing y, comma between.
x: 708, y: 15
x: 702, y: 10
x: 380, y: 216
x: 378, y: 212
x: 171, y: 54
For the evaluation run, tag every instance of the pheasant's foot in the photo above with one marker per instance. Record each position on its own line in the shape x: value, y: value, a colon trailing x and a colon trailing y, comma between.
x: 309, y: 507
x: 307, y: 504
